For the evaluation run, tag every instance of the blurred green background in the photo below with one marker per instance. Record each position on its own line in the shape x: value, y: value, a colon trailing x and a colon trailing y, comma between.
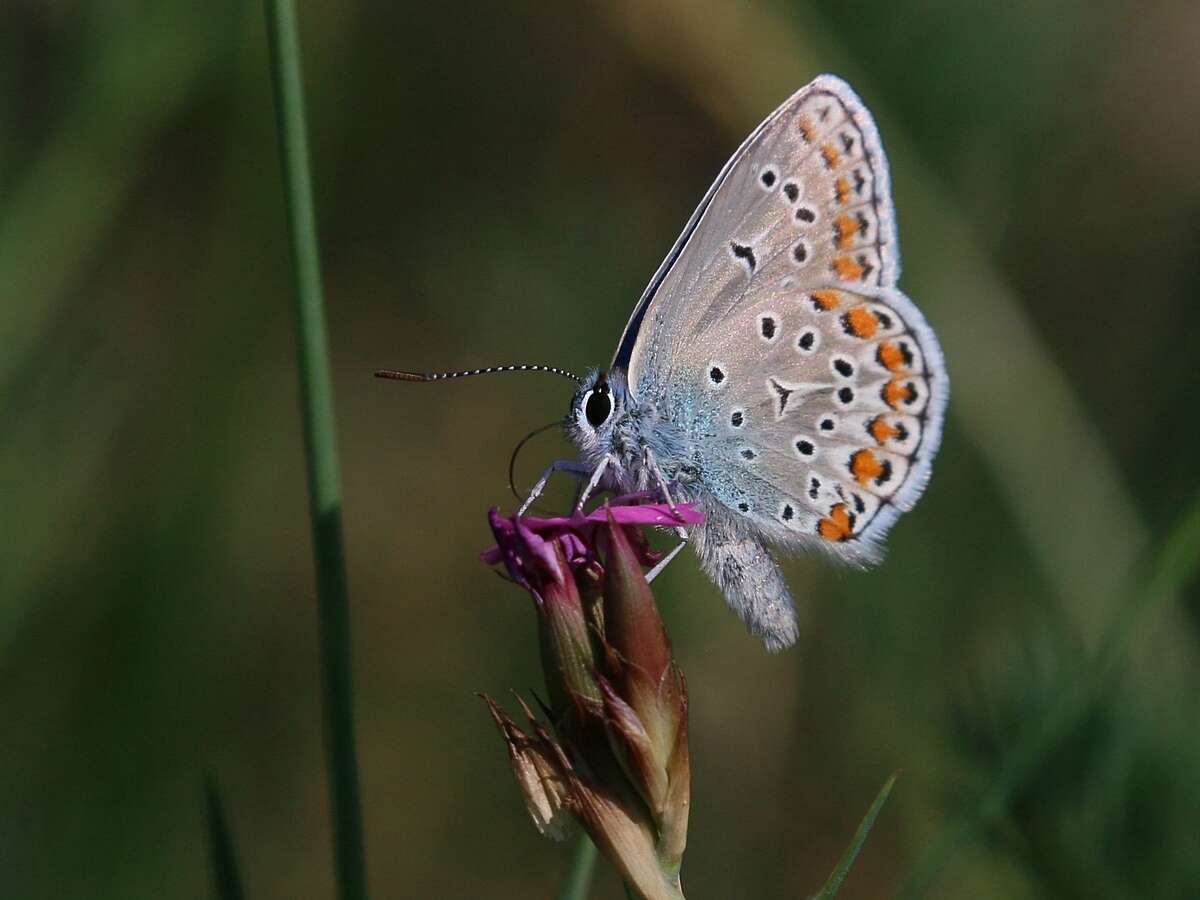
x: 496, y: 183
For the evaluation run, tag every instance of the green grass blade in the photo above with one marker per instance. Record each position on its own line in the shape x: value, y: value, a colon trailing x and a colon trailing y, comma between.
x: 834, y: 883
x: 227, y: 884
x: 579, y: 875
x: 316, y: 397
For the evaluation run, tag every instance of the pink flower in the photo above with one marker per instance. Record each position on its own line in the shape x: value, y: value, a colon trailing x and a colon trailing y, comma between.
x: 617, y: 758
x: 520, y: 542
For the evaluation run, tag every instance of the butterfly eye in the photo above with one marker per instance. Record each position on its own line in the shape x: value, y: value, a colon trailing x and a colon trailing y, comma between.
x: 597, y: 406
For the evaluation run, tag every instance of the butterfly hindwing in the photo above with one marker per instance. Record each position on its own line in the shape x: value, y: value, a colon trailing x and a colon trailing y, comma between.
x: 818, y: 421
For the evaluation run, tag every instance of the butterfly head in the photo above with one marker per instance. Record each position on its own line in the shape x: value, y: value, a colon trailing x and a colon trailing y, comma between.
x: 597, y: 408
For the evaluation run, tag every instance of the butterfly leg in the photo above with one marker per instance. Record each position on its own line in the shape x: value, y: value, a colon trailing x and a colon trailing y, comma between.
x: 569, y: 466
x: 663, y: 485
x: 592, y: 483
x: 662, y: 563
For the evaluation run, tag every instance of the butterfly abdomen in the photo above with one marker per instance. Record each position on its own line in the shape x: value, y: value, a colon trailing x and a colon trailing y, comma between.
x: 744, y: 570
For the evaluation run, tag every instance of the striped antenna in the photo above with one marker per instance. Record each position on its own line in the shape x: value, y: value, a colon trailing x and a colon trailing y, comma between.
x: 490, y: 370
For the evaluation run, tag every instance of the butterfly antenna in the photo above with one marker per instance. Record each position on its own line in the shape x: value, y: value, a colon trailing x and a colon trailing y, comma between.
x: 512, y: 460
x: 490, y: 370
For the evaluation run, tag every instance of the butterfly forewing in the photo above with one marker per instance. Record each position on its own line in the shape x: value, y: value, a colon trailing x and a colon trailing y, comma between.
x: 809, y: 187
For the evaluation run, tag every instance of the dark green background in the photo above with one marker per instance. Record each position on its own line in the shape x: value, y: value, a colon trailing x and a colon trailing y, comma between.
x: 496, y: 183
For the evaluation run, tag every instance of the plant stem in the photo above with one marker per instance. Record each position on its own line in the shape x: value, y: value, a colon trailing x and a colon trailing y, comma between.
x: 316, y: 399
x: 227, y: 884
x: 579, y: 875
x: 842, y: 869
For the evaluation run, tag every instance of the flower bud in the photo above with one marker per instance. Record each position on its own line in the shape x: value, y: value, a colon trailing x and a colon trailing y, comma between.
x: 645, y: 695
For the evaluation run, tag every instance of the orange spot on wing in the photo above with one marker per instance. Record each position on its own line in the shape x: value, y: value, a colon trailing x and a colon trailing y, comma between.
x: 848, y: 269
x: 882, y: 430
x: 806, y: 129
x: 896, y: 392
x: 830, y: 154
x: 846, y: 229
x: 827, y: 300
x: 838, y: 526
x: 842, y: 190
x: 865, y: 466
x: 891, y: 356
x: 861, y: 322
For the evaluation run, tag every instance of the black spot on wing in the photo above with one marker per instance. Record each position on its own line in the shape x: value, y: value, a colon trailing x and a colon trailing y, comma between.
x: 745, y: 253
x: 782, y: 394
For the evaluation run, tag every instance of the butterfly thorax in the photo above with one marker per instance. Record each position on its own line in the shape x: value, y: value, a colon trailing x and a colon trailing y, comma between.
x: 633, y: 436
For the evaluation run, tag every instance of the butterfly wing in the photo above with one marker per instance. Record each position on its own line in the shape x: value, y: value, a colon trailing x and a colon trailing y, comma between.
x: 809, y: 184
x: 824, y: 424
x: 774, y: 336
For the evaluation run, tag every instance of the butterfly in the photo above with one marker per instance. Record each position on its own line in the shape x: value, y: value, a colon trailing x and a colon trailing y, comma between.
x: 772, y: 373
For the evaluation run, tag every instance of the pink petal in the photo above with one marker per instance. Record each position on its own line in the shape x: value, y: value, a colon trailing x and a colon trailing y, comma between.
x: 522, y: 542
